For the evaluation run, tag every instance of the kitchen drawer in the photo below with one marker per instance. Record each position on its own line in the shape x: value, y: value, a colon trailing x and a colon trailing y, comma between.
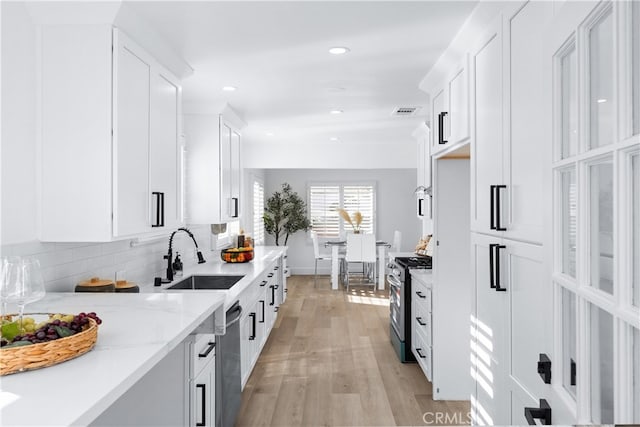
x: 422, y: 295
x: 422, y: 322
x: 423, y: 355
x: 203, y: 352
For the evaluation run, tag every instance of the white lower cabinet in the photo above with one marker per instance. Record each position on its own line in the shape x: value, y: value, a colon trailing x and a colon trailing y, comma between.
x: 202, y: 384
x: 260, y: 303
x: 421, y: 333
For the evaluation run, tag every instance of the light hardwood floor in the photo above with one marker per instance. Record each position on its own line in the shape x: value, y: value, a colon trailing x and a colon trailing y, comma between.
x: 329, y: 362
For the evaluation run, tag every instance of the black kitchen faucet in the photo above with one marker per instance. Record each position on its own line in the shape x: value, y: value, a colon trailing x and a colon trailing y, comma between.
x: 169, y: 255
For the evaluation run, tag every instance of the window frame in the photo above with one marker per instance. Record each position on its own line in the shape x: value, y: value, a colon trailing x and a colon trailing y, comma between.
x: 342, y: 229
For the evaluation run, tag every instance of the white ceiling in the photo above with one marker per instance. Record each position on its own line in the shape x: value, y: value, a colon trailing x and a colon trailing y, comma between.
x: 276, y: 54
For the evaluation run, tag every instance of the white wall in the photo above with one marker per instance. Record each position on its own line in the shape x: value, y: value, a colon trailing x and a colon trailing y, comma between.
x: 395, y: 207
x: 330, y: 155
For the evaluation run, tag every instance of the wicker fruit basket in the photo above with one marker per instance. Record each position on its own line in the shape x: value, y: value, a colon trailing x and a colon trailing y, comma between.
x: 42, y: 355
x: 237, y: 254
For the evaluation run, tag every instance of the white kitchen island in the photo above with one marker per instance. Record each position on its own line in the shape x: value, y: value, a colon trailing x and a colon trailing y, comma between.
x: 137, y: 332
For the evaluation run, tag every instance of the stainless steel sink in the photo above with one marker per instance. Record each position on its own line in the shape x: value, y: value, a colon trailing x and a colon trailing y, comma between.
x: 207, y: 282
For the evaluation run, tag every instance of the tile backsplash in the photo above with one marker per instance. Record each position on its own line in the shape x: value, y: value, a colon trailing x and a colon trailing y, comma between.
x: 65, y: 264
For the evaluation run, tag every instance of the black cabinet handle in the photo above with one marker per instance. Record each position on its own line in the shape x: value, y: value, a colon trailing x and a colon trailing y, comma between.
x: 159, y: 209
x: 273, y: 295
x: 573, y: 372
x: 264, y: 282
x: 234, y: 208
x: 420, y: 322
x: 544, y: 368
x: 270, y: 275
x: 498, y: 225
x: 262, y: 304
x: 212, y: 345
x: 492, y: 271
x: 419, y: 351
x: 253, y: 326
x: 420, y: 294
x: 492, y: 207
x: 204, y: 405
x: 543, y: 413
x: 441, y: 117
x: 420, y: 207
x: 276, y: 267
x: 497, y: 268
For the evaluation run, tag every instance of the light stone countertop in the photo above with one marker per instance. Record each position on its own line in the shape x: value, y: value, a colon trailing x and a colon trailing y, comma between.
x: 138, y: 330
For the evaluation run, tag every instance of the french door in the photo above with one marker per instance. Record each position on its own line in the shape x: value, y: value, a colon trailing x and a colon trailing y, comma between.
x: 592, y: 50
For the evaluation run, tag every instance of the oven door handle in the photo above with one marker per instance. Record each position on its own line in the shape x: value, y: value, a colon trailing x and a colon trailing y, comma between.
x: 394, y: 282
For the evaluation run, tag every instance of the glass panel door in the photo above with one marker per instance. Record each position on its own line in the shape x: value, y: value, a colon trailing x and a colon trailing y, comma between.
x: 569, y: 357
x: 569, y: 221
x: 601, y: 70
x: 635, y: 45
x: 601, y: 350
x: 569, y: 103
x: 635, y: 214
x: 600, y: 176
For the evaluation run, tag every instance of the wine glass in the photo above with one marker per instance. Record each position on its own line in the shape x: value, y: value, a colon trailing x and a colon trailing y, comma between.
x: 9, y: 275
x: 22, y: 283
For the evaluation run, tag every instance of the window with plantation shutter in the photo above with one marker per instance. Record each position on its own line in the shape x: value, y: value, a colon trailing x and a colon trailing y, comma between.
x: 258, y: 212
x: 326, y: 199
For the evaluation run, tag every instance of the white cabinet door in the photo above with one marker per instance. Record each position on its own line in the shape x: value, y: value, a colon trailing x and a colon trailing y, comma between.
x: 486, y: 124
x: 226, y: 208
x: 527, y: 125
x: 438, y: 121
x: 165, y: 151
x: 489, y: 357
x: 203, y: 397
x: 131, y: 196
x: 236, y: 175
x: 458, y: 105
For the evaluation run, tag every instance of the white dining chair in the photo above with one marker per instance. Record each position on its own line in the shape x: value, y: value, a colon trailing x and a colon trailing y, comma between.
x: 361, y: 248
x: 319, y: 256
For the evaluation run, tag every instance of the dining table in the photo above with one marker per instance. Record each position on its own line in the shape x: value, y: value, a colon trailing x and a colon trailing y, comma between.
x: 336, y: 245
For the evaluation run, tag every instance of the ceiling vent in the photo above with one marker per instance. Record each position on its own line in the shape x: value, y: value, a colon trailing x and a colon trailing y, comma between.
x: 405, y: 111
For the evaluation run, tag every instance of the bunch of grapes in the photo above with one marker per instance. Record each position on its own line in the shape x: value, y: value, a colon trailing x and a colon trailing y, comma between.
x: 57, y: 328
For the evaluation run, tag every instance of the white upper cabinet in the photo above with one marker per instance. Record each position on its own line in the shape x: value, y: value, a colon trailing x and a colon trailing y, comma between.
x: 110, y: 137
x: 450, y: 110
x: 213, y: 159
x: 508, y: 125
x: 486, y: 122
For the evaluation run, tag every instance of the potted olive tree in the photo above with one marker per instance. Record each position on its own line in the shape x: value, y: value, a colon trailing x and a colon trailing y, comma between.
x: 285, y: 214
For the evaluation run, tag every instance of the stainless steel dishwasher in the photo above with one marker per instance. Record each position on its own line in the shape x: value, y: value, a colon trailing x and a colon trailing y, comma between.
x: 228, y: 381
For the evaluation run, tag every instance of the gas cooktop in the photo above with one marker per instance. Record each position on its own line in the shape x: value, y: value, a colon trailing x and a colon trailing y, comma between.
x: 414, y: 262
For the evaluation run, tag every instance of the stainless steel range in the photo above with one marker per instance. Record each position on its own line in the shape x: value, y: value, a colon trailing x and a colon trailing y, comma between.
x: 400, y: 302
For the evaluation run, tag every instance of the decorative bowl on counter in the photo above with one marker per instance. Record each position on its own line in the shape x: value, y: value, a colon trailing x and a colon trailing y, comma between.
x: 237, y: 254
x: 48, y: 353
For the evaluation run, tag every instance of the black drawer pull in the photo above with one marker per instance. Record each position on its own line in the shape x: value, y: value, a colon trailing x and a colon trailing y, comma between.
x: 497, y: 265
x: 270, y: 275
x: 211, y: 345
x: 204, y: 405
x: 253, y: 326
x: 273, y: 295
x: 420, y: 322
x: 419, y: 351
x: 420, y: 294
x: 262, y: 304
x: 499, y: 227
x: 544, y: 368
x: 264, y: 282
x: 543, y: 413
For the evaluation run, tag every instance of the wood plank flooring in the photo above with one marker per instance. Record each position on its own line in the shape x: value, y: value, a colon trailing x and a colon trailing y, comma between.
x: 329, y: 362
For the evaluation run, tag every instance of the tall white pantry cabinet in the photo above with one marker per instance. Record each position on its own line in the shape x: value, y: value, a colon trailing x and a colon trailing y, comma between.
x: 111, y: 150
x: 551, y: 289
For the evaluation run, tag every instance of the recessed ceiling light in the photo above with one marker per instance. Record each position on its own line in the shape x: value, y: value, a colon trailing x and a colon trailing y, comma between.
x: 336, y: 89
x: 229, y: 88
x: 334, y: 138
x: 336, y: 112
x: 601, y: 101
x: 269, y: 133
x: 338, y: 50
